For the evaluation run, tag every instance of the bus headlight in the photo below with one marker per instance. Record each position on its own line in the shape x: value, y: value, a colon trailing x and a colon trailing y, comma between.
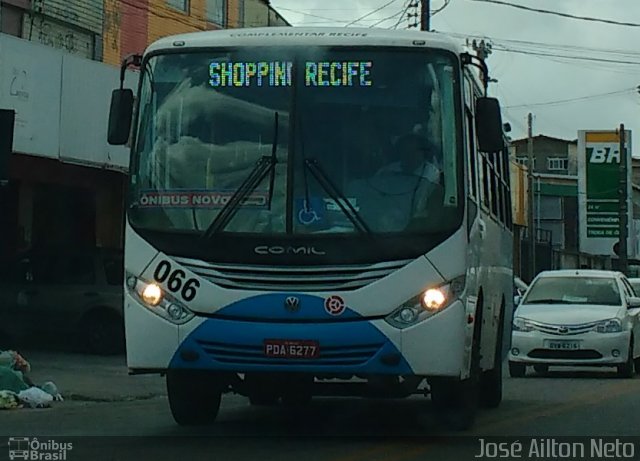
x: 152, y: 294
x: 426, y: 304
x: 153, y: 297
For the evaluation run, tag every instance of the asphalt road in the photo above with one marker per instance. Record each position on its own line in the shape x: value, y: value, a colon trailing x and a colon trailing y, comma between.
x: 563, y: 403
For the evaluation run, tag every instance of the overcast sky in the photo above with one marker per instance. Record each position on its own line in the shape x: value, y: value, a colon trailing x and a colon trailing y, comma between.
x: 526, y: 82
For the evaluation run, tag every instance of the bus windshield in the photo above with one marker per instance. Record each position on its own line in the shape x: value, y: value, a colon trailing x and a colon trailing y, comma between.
x: 304, y: 141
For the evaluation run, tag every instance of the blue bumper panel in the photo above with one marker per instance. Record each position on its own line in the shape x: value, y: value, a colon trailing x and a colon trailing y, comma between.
x: 345, y: 347
x: 272, y: 306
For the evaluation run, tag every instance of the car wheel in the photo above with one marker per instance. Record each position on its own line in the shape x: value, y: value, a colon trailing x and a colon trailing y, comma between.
x: 517, y: 370
x: 541, y: 369
x: 625, y: 370
x: 637, y: 365
x: 194, y: 397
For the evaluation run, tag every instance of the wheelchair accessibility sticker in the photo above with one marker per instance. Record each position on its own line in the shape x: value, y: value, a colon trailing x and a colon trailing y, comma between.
x: 311, y: 212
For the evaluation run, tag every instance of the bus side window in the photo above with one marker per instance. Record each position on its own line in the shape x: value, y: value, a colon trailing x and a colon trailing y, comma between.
x: 507, y: 186
x: 486, y: 186
x: 471, y: 141
x: 493, y: 176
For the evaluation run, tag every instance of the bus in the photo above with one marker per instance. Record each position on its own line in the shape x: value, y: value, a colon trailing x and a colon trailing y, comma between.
x: 315, y: 212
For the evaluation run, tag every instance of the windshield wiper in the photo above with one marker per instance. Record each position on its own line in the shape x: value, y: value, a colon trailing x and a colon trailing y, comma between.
x: 338, y: 197
x: 550, y: 301
x: 263, y: 166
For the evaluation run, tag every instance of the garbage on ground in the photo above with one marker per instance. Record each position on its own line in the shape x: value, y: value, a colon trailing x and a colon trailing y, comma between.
x: 36, y: 397
x: 9, y: 400
x: 16, y: 388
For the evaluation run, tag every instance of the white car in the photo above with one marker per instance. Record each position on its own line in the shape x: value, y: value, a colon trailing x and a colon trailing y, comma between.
x: 574, y: 318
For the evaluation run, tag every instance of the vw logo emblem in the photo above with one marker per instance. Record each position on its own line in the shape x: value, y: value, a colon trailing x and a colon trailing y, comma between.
x: 563, y: 330
x: 292, y: 304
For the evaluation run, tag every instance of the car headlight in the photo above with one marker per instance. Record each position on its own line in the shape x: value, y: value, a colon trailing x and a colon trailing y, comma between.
x: 426, y: 304
x: 158, y: 301
x: 522, y: 324
x: 609, y: 326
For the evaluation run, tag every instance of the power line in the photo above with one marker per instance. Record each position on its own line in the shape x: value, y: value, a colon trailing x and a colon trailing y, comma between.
x: 553, y: 46
x: 438, y: 10
x: 311, y: 15
x: 385, y: 19
x: 371, y: 12
x: 402, y: 14
x: 558, y: 13
x: 554, y: 55
x: 580, y: 98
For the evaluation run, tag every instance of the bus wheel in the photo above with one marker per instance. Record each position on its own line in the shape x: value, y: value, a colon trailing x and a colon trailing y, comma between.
x: 194, y: 397
x: 298, y: 392
x: 456, y: 401
x: 491, y: 380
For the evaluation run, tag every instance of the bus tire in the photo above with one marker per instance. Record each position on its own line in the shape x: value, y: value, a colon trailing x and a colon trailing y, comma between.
x: 491, y: 380
x: 263, y: 399
x: 194, y: 397
x: 457, y: 399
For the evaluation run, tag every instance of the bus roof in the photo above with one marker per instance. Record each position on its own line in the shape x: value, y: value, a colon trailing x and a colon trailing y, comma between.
x: 307, y: 36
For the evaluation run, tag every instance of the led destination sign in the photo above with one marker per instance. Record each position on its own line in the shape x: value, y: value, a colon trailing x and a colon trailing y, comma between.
x: 280, y: 74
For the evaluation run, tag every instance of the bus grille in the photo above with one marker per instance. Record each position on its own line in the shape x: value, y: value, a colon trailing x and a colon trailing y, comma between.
x: 254, y: 355
x: 302, y: 278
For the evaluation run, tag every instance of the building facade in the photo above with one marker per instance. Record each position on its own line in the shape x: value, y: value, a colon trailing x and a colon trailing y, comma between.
x: 556, y: 200
x: 109, y: 30
x: 65, y: 183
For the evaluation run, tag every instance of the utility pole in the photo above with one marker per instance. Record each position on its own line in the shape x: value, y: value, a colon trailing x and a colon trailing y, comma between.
x: 426, y: 13
x: 532, y: 223
x: 624, y: 197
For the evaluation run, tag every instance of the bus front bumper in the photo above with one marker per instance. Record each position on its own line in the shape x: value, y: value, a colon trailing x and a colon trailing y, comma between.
x: 434, y: 347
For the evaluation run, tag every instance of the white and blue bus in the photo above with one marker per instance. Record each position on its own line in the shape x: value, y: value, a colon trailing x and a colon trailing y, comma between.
x: 315, y: 211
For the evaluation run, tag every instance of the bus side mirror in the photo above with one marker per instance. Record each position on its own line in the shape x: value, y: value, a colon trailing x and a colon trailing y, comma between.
x: 120, y: 117
x: 489, y: 126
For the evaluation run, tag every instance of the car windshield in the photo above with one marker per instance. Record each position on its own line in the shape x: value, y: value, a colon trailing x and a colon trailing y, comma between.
x: 574, y: 290
x: 305, y: 141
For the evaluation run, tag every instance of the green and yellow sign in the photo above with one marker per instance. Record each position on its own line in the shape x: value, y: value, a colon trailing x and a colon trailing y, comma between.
x: 602, y: 152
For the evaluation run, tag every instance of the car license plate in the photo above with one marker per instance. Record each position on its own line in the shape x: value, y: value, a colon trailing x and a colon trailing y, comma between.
x: 564, y: 345
x: 291, y: 348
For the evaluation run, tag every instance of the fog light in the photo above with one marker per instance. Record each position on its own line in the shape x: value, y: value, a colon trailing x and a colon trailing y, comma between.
x: 615, y: 353
x: 152, y: 294
x: 515, y: 351
x: 131, y: 282
x: 175, y: 311
x: 408, y: 315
